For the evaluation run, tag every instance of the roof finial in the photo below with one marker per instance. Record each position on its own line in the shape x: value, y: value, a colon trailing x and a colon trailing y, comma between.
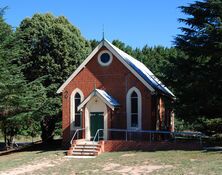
x: 103, y: 33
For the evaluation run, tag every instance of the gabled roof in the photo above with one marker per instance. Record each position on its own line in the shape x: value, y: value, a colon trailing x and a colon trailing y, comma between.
x: 144, y: 72
x: 104, y: 96
x: 135, y: 66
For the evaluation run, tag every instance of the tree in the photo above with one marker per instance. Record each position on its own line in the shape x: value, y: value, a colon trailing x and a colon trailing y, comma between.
x: 123, y: 46
x: 18, y: 100
x: 155, y: 58
x: 2, y: 11
x: 50, y: 48
x: 93, y: 43
x: 200, y: 70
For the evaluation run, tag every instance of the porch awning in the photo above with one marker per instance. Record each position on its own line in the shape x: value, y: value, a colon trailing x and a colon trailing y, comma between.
x: 104, y: 96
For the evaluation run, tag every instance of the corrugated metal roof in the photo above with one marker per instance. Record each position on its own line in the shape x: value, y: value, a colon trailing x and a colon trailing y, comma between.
x: 112, y: 101
x: 104, y: 96
x: 143, y: 71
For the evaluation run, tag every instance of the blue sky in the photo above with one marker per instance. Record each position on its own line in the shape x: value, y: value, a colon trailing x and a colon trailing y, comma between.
x: 135, y: 22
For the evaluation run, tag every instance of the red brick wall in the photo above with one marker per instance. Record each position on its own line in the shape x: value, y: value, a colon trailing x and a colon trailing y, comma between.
x: 116, y: 79
x: 120, y: 145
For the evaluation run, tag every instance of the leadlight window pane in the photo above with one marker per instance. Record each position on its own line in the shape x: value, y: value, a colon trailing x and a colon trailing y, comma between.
x: 134, y: 120
x: 77, y: 113
x: 134, y: 105
x: 134, y: 94
x: 134, y: 109
x: 77, y: 95
x: 77, y: 103
x: 78, y: 120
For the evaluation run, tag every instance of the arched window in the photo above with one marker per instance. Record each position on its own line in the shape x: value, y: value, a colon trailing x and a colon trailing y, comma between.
x: 134, y: 108
x: 75, y: 115
x: 77, y: 122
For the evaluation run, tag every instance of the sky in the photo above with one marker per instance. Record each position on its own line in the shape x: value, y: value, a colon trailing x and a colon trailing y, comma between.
x: 135, y: 22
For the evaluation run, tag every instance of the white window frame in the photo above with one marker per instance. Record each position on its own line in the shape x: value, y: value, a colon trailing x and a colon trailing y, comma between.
x: 72, y: 107
x: 110, y: 60
x: 128, y: 108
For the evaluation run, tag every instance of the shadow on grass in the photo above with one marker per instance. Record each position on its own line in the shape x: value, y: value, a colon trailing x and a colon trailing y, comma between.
x: 216, y: 149
x: 2, y: 146
x: 40, y: 147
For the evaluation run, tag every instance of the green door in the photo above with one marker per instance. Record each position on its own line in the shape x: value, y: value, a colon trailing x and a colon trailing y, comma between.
x: 96, y: 122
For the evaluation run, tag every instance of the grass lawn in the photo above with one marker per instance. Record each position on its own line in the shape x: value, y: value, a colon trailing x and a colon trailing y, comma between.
x: 161, y: 162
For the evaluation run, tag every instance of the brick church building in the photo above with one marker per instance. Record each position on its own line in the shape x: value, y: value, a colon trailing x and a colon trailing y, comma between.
x: 111, y: 91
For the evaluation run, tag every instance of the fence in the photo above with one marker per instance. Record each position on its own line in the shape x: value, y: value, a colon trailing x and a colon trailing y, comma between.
x: 140, y: 135
x: 147, y: 135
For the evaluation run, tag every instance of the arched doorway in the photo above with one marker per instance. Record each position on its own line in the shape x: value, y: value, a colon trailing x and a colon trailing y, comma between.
x: 95, y: 117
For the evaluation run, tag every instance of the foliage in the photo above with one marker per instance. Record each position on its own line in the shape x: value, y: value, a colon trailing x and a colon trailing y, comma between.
x: 19, y: 100
x: 181, y: 125
x: 2, y: 11
x: 209, y: 126
x: 93, y: 43
x: 199, y: 72
x: 123, y: 46
x: 51, y: 49
x: 157, y: 58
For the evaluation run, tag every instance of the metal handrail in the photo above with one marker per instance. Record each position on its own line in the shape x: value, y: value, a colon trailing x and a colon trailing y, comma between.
x: 97, y: 133
x: 193, y: 134
x: 158, y: 132
x: 76, y: 132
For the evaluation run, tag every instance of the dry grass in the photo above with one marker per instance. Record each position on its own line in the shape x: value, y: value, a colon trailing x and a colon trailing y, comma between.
x: 160, y: 162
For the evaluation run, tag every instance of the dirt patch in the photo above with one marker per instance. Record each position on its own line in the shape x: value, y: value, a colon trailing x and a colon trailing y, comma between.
x: 128, y: 155
x: 134, y: 170
x: 111, y: 166
x: 193, y: 160
x: 33, y: 166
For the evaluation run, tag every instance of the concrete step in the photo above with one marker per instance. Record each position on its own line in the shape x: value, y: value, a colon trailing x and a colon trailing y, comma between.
x: 84, y: 153
x: 81, y: 157
x: 87, y: 147
x: 88, y: 142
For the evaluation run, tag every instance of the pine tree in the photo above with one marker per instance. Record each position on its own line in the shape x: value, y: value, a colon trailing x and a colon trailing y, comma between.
x: 200, y: 71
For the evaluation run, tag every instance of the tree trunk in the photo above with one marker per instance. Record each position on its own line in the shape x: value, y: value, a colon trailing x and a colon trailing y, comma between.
x: 8, y: 138
x: 5, y: 138
x: 48, y: 128
x: 10, y: 141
